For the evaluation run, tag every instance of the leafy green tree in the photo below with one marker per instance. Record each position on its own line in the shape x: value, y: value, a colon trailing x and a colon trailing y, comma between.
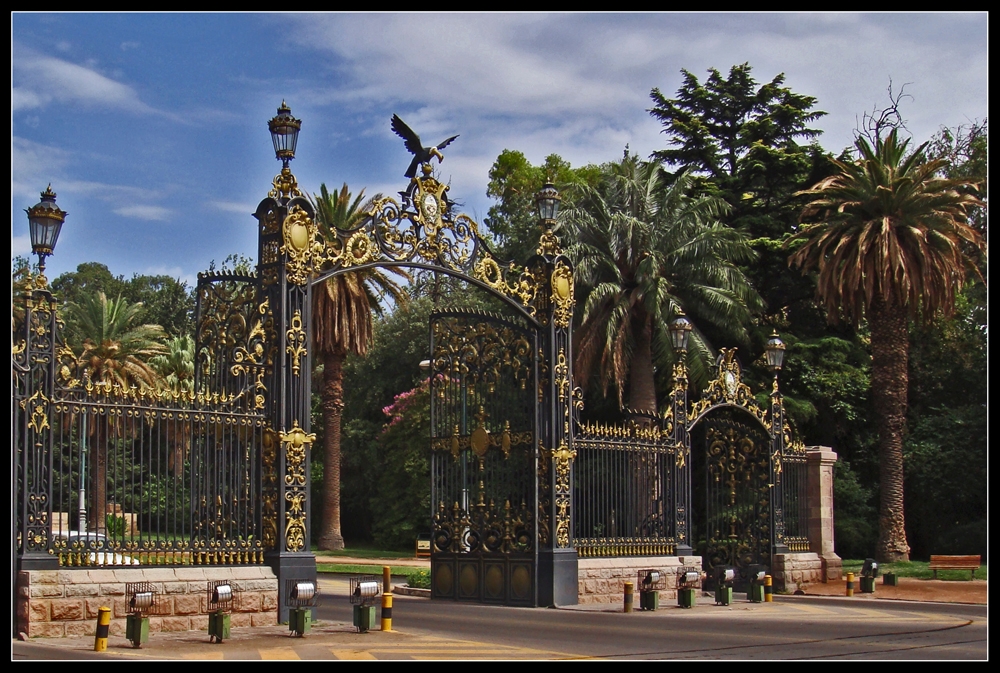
x: 889, y: 239
x: 342, y: 324
x: 514, y: 182
x: 644, y: 254
x: 165, y: 301
x: 752, y: 145
x: 402, y: 496
x: 112, y: 349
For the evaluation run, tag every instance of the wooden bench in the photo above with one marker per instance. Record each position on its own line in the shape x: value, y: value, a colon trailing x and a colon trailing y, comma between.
x: 968, y: 562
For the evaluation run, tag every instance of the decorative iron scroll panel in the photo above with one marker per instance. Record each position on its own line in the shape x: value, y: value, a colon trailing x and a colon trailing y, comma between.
x: 111, y: 475
x: 484, y: 420
x: 731, y: 488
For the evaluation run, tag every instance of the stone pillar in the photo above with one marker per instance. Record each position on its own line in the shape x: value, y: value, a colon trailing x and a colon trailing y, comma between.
x: 819, y: 481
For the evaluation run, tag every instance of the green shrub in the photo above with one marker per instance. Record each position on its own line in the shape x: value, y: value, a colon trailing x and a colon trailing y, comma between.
x: 419, y: 579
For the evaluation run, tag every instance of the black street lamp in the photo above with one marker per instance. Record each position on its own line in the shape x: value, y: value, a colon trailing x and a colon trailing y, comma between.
x: 775, y: 351
x: 547, y: 203
x: 680, y: 331
x: 284, y: 134
x: 45, y: 221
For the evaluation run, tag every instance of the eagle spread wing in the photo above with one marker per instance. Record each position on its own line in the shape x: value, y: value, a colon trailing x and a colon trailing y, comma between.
x: 420, y: 153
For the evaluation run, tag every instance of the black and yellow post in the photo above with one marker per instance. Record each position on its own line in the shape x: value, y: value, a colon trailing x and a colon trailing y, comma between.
x: 850, y: 584
x: 768, y: 589
x: 103, y: 626
x: 387, y: 612
x: 629, y: 595
x: 386, y: 598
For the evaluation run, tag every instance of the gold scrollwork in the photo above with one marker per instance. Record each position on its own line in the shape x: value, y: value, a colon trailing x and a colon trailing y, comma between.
x: 305, y: 252
x: 284, y: 185
x: 562, y: 294
x: 39, y: 411
x: 727, y: 388
x: 548, y: 244
x: 296, y: 441
x: 295, y: 521
x: 562, y: 460
x: 296, y: 342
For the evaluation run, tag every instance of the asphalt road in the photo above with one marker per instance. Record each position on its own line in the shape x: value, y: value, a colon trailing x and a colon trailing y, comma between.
x: 791, y: 628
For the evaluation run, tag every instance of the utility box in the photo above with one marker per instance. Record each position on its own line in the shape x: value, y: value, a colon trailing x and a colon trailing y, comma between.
x: 424, y: 545
x: 364, y: 617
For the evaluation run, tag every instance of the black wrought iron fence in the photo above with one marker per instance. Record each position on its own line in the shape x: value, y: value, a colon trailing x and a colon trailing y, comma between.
x: 622, y: 499
x: 795, y: 489
x: 140, y: 477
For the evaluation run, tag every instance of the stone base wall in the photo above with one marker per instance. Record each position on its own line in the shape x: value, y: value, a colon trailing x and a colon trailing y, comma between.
x: 602, y: 580
x: 796, y: 570
x: 65, y: 602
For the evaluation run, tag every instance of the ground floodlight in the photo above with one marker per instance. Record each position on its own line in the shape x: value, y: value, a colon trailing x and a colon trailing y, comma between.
x: 300, y: 598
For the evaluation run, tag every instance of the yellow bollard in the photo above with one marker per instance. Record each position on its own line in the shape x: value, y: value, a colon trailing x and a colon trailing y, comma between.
x: 768, y: 589
x: 850, y: 584
x: 629, y: 594
x: 387, y: 612
x: 386, y: 579
x: 103, y: 626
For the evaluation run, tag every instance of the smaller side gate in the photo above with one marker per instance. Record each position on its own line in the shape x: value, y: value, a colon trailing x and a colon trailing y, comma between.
x: 484, y: 424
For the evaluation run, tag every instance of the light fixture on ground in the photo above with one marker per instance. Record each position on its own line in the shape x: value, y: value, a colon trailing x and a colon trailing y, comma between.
x: 221, y: 595
x: 724, y: 578
x: 364, y: 592
x: 869, y: 571
x: 141, y: 599
x: 45, y: 220
x: 688, y: 583
x: 755, y: 590
x: 650, y: 582
x: 300, y: 602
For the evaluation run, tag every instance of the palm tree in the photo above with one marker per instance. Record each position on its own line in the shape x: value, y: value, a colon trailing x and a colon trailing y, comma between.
x: 891, y: 241
x: 112, y: 350
x: 175, y: 374
x: 342, y: 321
x: 646, y: 252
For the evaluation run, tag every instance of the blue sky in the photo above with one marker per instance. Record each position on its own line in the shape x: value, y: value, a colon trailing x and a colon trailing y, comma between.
x: 152, y: 128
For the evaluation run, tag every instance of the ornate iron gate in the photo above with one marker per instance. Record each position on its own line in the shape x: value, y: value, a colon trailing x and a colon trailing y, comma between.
x: 734, y: 493
x: 484, y: 425
x: 741, y: 459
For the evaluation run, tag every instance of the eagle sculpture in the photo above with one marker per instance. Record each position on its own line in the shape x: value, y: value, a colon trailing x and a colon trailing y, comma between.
x: 421, y: 154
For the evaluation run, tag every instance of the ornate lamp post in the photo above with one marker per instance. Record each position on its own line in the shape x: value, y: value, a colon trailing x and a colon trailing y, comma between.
x: 34, y: 364
x: 774, y: 353
x: 680, y: 333
x: 547, y: 207
x: 286, y: 231
x: 284, y: 130
x: 45, y: 220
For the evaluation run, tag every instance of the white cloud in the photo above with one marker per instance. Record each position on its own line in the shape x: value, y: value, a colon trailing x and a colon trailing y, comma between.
x: 20, y: 245
x: 40, y: 80
x: 234, y: 207
x: 155, y: 213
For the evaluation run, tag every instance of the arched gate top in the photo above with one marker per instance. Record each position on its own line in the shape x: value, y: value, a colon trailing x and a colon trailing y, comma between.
x: 420, y: 229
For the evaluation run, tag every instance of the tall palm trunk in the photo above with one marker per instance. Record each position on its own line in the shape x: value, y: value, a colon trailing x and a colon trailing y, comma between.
x: 642, y: 397
x: 642, y: 384
x: 98, y: 458
x: 890, y: 356
x: 333, y: 410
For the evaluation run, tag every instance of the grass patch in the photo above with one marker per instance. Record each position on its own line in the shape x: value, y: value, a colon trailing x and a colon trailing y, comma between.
x: 357, y: 569
x: 918, y: 569
x: 361, y: 551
